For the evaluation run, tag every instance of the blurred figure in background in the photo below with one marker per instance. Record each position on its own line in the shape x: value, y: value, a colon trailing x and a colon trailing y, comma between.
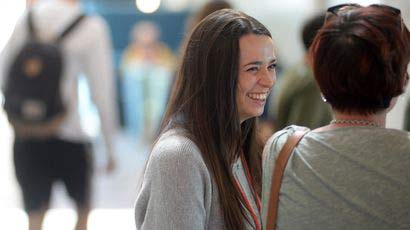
x: 299, y: 101
x: 146, y: 69
x: 63, y: 153
x: 208, y: 8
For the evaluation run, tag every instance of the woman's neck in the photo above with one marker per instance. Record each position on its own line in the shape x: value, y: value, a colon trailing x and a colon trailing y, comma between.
x: 354, y: 119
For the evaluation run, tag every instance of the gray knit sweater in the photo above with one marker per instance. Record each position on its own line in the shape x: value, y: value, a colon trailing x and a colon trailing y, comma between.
x: 178, y: 192
x: 346, y: 178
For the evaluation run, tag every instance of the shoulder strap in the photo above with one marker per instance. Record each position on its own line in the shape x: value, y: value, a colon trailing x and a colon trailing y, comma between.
x: 277, y: 176
x: 30, y: 24
x: 32, y: 31
x: 70, y: 28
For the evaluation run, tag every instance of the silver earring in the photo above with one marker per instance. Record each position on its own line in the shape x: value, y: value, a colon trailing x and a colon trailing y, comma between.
x: 323, y: 97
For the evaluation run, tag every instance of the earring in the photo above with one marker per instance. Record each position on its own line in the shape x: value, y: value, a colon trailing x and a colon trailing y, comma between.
x: 323, y: 97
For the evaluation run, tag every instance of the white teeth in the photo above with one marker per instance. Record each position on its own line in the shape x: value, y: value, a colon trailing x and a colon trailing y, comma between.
x: 258, y: 96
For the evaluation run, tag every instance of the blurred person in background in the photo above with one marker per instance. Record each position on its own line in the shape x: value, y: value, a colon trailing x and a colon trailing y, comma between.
x: 354, y: 172
x: 205, y: 10
x: 299, y: 101
x: 204, y: 170
x: 146, y: 69
x: 64, y: 153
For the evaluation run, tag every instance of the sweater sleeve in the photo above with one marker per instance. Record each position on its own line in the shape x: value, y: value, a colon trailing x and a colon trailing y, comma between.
x: 176, y: 188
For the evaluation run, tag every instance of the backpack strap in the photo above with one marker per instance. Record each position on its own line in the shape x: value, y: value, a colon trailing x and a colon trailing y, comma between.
x: 277, y: 177
x: 70, y: 28
x: 31, y: 30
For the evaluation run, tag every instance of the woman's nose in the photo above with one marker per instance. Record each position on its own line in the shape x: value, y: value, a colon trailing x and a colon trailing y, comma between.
x: 268, y: 79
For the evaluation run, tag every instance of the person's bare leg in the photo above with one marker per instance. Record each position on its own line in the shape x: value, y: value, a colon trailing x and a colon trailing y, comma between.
x: 36, y: 218
x: 82, y: 218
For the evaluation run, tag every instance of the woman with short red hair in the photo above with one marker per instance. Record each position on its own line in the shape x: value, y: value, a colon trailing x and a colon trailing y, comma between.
x: 354, y: 172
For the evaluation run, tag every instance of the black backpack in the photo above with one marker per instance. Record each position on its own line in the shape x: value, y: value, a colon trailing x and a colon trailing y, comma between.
x: 33, y: 102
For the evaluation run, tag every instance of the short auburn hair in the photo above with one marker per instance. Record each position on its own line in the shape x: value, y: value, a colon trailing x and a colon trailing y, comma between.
x: 360, y: 57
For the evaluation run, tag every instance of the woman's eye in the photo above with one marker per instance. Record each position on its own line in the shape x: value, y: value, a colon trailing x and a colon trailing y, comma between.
x: 272, y: 66
x: 252, y: 69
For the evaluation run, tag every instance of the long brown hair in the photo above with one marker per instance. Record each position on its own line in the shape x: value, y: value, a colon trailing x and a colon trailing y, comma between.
x: 203, y: 103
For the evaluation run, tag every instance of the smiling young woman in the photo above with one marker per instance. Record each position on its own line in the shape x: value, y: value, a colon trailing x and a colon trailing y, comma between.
x: 257, y: 74
x: 204, y: 171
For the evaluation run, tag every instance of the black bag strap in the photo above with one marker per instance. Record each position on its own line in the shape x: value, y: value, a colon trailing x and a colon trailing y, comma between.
x: 33, y: 34
x: 70, y: 28
x: 31, y: 31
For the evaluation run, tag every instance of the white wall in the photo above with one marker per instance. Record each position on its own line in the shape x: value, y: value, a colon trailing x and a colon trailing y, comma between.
x: 395, y: 118
x: 284, y: 20
x: 10, y: 11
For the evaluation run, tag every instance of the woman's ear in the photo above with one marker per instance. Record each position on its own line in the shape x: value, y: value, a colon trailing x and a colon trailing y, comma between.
x: 406, y: 81
x: 393, y: 102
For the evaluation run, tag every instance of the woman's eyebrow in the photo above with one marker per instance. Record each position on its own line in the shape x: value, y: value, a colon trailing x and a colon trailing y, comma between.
x: 254, y: 63
x: 260, y: 62
x: 273, y: 60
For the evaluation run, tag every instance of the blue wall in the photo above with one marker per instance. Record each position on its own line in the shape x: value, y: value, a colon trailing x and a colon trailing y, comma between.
x: 170, y: 24
x: 122, y: 15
